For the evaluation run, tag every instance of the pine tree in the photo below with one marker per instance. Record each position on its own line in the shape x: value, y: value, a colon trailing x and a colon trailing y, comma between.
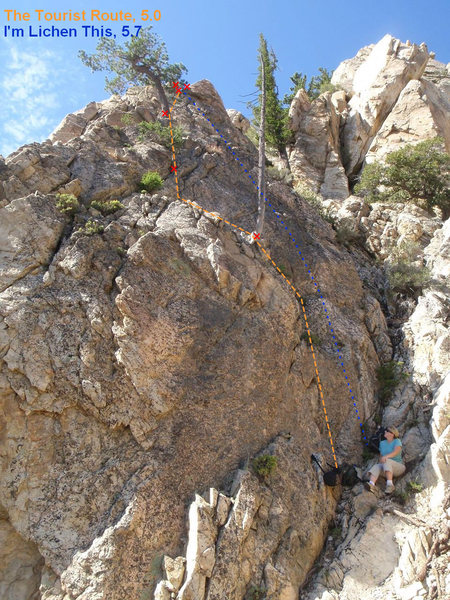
x: 299, y: 81
x: 262, y: 153
x: 275, y: 115
x: 143, y: 60
x: 320, y: 83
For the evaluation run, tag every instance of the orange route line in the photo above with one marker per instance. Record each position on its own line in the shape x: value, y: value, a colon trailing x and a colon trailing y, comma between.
x: 269, y: 258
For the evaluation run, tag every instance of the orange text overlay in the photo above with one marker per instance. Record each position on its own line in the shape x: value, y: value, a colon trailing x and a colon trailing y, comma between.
x: 94, y: 15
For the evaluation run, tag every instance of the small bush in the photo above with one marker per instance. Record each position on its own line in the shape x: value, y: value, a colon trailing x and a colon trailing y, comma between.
x: 162, y: 133
x: 67, y: 204
x: 406, y: 278
x: 401, y: 497
x: 389, y: 376
x: 264, y: 465
x: 415, y: 487
x: 91, y: 227
x: 283, y: 175
x: 336, y: 532
x: 315, y: 339
x: 108, y: 207
x: 417, y: 173
x: 151, y: 181
x: 404, y: 272
x: 345, y: 235
x: 127, y: 119
x: 252, y: 135
x: 255, y: 593
x: 314, y: 200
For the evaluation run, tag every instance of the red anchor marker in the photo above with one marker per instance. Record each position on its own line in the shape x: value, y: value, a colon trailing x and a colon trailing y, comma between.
x: 256, y: 236
x: 165, y: 113
x: 187, y: 86
x: 172, y: 168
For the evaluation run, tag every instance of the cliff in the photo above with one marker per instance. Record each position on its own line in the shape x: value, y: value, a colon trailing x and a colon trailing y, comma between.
x: 147, y: 355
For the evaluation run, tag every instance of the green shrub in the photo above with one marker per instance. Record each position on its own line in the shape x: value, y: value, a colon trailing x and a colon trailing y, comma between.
x: 415, y: 173
x: 264, y: 465
x: 91, y: 227
x: 403, y: 273
x: 389, y: 376
x: 67, y: 204
x: 283, y: 175
x: 320, y: 83
x: 314, y: 199
x: 406, y: 278
x: 283, y: 269
x: 345, y: 235
x: 315, y: 339
x: 415, y: 487
x: 336, y: 532
x: 108, y: 207
x: 151, y: 181
x: 127, y: 119
x: 162, y: 133
x: 401, y: 497
x: 255, y: 593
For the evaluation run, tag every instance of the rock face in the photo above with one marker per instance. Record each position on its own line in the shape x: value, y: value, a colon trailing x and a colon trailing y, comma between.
x: 422, y: 111
x: 150, y: 354
x: 391, y: 94
x: 315, y: 157
x: 377, y: 84
x: 249, y: 541
x: 131, y: 352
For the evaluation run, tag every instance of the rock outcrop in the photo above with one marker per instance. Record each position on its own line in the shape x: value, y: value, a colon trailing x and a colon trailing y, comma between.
x: 315, y: 157
x: 391, y: 94
x: 131, y: 352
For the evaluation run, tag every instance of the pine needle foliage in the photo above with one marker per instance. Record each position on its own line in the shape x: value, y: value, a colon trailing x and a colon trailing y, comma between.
x: 141, y: 60
x: 275, y: 131
x: 416, y: 173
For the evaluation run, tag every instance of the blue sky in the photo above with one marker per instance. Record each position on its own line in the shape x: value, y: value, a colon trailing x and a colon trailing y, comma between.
x: 42, y: 79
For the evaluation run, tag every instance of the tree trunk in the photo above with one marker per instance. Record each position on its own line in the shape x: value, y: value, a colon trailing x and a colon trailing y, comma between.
x: 157, y: 83
x: 161, y: 93
x: 262, y: 155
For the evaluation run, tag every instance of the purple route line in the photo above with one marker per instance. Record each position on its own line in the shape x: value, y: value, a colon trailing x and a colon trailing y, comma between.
x: 228, y: 146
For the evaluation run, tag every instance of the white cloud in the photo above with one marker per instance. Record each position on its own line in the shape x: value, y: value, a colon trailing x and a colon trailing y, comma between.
x: 29, y: 91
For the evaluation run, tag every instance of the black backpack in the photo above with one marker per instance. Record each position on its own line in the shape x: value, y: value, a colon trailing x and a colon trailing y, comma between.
x: 376, y: 438
x: 349, y: 476
x: 331, y: 478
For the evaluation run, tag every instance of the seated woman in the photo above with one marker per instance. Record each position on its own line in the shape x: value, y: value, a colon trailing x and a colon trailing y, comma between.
x: 390, y: 464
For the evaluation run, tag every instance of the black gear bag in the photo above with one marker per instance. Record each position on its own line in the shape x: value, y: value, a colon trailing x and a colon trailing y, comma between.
x: 331, y: 478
